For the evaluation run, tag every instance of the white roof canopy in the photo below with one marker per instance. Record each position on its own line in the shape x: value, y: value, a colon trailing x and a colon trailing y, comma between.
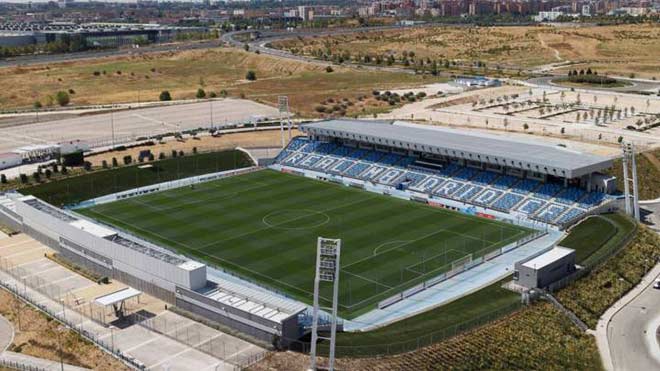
x: 117, y: 296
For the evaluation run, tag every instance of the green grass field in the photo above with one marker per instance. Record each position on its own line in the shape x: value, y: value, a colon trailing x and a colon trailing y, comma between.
x: 264, y: 226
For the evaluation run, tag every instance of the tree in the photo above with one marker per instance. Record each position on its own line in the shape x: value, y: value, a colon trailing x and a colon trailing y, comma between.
x: 246, y: 47
x: 36, y: 176
x: 250, y: 75
x: 563, y: 130
x: 161, y: 156
x: 620, y: 139
x: 62, y: 98
x: 3, y: 179
x: 329, y: 69
x: 48, y: 173
x: 104, y: 164
x: 114, y: 162
x: 200, y: 94
x: 165, y: 96
x: 213, y: 95
x: 24, y: 178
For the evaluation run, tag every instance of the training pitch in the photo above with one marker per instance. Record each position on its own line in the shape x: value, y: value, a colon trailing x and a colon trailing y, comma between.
x: 264, y: 226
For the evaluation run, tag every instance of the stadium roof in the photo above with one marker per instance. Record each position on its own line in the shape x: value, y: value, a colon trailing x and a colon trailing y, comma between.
x: 468, y: 145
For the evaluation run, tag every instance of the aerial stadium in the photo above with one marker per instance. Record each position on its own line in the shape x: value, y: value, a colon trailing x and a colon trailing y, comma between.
x: 425, y: 215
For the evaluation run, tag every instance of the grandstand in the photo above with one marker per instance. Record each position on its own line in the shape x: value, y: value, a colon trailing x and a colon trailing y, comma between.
x: 541, y: 183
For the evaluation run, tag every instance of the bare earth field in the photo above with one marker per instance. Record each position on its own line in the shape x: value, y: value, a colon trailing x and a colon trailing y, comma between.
x: 619, y: 50
x: 142, y: 78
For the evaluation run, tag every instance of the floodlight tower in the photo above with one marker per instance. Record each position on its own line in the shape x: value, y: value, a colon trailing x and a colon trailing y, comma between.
x: 327, y: 270
x: 630, y: 161
x: 283, y: 104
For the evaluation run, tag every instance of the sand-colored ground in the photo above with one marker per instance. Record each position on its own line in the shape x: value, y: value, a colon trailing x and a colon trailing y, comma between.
x: 621, y: 50
x: 255, y: 139
x: 142, y: 78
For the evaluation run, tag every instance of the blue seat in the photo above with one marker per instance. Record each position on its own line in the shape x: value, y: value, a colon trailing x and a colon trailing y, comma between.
x: 592, y: 199
x: 570, y: 195
x: 297, y: 143
x: 570, y: 215
x: 505, y: 182
x: 484, y: 177
x: 531, y: 206
x: 356, y: 169
x: 525, y: 186
x: 547, y: 190
x: 507, y: 202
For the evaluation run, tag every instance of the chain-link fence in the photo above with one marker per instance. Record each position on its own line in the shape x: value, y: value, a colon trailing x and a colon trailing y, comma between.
x: 21, y: 366
x: 231, y: 350
x: 61, y: 317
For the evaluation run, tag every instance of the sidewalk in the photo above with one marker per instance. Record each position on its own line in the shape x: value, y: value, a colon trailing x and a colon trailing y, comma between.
x: 602, y: 327
x: 38, y: 363
x: 6, y: 334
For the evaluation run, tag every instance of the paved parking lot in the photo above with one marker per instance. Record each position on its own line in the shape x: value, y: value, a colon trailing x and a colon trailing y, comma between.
x: 166, y: 341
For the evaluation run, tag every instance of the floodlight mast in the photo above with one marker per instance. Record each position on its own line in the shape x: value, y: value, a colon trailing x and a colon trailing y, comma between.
x: 283, y: 104
x: 327, y: 269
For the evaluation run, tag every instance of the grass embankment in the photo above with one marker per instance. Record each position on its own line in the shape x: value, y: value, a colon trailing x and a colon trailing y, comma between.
x: 38, y: 335
x: 536, y: 338
x: 590, y: 297
x: 597, y: 236
x: 648, y: 175
x: 142, y: 78
x: 89, y: 185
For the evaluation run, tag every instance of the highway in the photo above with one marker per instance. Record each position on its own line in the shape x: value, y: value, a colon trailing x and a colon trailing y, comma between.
x: 28, y: 60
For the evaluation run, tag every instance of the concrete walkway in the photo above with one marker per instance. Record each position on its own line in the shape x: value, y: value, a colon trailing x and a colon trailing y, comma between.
x: 622, y: 333
x: 6, y: 334
x: 38, y: 363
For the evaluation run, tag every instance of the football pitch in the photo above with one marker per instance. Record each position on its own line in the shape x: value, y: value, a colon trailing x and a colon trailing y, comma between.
x: 264, y: 226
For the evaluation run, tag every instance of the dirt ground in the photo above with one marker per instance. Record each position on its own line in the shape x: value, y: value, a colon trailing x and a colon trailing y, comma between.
x: 37, y: 336
x: 621, y: 49
x: 265, y: 138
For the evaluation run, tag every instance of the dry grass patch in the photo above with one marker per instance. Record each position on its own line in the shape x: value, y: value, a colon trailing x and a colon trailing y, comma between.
x: 38, y: 336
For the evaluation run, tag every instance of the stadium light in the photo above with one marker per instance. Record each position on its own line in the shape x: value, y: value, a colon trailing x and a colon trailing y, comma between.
x: 327, y: 270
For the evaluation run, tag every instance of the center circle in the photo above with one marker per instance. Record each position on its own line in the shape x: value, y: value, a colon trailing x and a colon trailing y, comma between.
x: 292, y: 219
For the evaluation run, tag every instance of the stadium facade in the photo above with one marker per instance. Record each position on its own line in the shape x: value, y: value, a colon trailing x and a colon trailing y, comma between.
x: 538, y: 186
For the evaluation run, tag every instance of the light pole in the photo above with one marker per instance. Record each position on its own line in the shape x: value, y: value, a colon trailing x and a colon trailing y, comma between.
x: 59, y: 331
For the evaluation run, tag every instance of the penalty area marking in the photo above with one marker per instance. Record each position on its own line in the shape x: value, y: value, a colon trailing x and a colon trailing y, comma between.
x: 326, y: 218
x: 396, y: 243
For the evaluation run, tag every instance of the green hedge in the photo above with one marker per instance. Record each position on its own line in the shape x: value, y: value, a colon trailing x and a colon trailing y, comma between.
x: 75, y: 189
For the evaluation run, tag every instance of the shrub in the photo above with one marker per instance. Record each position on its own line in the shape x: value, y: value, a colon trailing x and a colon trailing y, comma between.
x: 165, y: 96
x: 3, y: 179
x: 97, y: 73
x: 181, y: 153
x: 114, y: 162
x: 200, y: 93
x: 62, y: 98
x: 104, y: 164
x: 194, y: 150
x: 71, y: 91
x: 48, y: 173
x: 250, y: 75
x: 36, y: 176
x: 174, y: 153
x: 320, y: 109
x: 65, y: 170
x: 213, y: 95
x: 24, y: 178
x: 161, y: 156
x: 128, y: 159
x: 37, y: 104
x: 329, y: 69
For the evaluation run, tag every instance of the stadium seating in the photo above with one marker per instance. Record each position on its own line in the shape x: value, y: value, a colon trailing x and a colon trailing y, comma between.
x: 547, y: 202
x: 296, y: 144
x: 592, y: 199
x: 373, y: 156
x: 569, y: 195
x: 356, y: 169
x: 570, y: 215
x: 467, y: 192
x: 525, y: 186
x: 505, y: 182
x: 531, y: 205
x: 547, y: 190
x: 508, y: 201
x: 484, y: 177
x: 551, y: 212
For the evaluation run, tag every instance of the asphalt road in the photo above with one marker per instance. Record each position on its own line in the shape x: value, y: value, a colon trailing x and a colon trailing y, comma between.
x: 6, y: 334
x: 134, y: 123
x: 636, y: 86
x: 632, y: 333
x: 27, y: 60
